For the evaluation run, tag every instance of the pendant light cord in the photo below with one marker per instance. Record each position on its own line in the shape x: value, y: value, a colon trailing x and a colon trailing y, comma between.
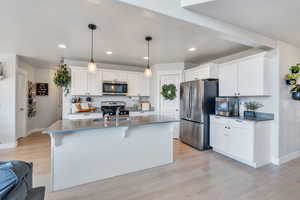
x: 92, y: 54
x: 148, y: 54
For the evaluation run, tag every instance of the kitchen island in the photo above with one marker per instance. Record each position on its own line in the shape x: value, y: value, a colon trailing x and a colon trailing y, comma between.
x: 88, y: 150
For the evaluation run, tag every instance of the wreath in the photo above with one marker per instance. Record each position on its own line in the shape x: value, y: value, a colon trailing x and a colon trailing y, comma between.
x: 169, y: 91
x: 62, y: 78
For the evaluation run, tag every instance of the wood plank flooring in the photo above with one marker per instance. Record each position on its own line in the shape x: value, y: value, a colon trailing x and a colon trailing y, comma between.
x: 193, y: 176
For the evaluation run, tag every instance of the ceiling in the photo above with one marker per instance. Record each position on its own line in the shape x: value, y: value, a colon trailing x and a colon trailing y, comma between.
x: 277, y: 19
x: 34, y: 28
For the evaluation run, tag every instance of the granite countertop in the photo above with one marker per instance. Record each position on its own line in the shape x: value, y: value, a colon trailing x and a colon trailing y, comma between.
x: 63, y: 126
x: 259, y: 117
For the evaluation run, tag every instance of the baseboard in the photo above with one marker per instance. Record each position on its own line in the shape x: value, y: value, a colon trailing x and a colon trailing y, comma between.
x: 286, y: 158
x: 35, y: 130
x: 8, y: 145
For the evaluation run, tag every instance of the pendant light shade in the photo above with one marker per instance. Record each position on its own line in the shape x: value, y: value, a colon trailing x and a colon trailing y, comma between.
x: 148, y: 72
x: 92, y: 67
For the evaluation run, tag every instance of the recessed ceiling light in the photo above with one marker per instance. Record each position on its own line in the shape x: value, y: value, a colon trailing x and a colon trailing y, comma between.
x: 62, y: 46
x: 109, y: 52
x: 192, y: 49
x: 146, y: 58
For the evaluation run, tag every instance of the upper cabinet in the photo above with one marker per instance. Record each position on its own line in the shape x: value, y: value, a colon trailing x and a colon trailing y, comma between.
x: 85, y: 83
x: 114, y: 75
x: 138, y: 84
x: 205, y: 71
x: 246, y: 77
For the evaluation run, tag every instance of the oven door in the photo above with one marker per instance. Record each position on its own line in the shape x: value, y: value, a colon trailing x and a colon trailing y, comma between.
x: 115, y: 88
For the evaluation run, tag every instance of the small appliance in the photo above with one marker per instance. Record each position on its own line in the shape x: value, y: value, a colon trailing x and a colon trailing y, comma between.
x: 145, y: 106
x: 115, y: 88
x: 197, y: 102
x: 227, y: 106
x: 109, y: 108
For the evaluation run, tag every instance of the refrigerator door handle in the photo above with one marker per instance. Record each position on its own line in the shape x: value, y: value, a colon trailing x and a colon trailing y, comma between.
x: 190, y: 103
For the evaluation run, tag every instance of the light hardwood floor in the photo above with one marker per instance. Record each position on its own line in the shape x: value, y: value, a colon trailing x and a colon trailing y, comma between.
x: 193, y: 176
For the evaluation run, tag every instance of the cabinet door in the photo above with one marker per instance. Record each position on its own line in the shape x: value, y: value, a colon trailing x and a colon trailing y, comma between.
x: 241, y: 143
x: 228, y: 79
x: 133, y: 83
x: 122, y: 76
x: 79, y: 82
x: 250, y: 77
x: 94, y: 83
x: 218, y: 135
x: 114, y: 75
x: 109, y: 75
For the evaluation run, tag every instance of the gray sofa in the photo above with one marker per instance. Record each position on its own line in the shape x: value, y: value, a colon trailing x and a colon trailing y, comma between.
x: 16, y: 182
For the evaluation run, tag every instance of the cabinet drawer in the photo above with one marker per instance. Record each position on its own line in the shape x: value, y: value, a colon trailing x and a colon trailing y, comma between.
x: 236, y: 123
x: 219, y: 120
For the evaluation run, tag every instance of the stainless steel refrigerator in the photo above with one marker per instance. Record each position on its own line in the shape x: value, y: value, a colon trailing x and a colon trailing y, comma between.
x: 197, y: 102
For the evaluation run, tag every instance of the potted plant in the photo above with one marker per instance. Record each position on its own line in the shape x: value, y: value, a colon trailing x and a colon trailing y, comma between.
x: 291, y: 79
x: 296, y: 92
x: 295, y: 69
x: 62, y: 78
x: 251, y: 108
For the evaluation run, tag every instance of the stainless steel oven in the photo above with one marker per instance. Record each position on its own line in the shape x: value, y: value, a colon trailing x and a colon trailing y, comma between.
x: 227, y: 106
x: 115, y: 88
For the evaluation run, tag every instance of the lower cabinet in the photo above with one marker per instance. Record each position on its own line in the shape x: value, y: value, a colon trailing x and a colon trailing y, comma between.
x: 245, y: 141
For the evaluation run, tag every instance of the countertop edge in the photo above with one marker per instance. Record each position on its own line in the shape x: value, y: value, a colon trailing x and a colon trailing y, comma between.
x: 95, y: 128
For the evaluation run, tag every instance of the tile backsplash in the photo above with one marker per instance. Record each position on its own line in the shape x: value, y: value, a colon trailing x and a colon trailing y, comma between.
x: 96, y: 101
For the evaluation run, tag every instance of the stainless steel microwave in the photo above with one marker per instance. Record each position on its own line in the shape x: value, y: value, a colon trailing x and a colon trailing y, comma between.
x: 115, y: 88
x: 227, y: 106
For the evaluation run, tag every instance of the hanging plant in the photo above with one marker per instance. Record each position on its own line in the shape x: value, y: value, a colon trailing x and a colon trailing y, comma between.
x: 295, y: 69
x: 296, y: 92
x: 62, y: 78
x: 291, y: 79
x: 169, y: 91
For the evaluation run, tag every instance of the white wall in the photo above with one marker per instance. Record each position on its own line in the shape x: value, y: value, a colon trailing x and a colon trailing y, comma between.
x: 289, y: 125
x: 8, y: 102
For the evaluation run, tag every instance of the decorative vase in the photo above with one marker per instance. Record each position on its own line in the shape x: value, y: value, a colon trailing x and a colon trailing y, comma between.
x: 291, y: 82
x: 295, y: 71
x: 249, y: 114
x: 296, y: 96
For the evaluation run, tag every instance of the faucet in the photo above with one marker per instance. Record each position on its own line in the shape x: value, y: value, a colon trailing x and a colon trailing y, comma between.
x: 117, y: 115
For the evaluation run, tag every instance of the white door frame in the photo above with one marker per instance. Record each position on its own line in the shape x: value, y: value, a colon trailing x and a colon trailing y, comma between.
x: 159, y: 74
x: 23, y: 72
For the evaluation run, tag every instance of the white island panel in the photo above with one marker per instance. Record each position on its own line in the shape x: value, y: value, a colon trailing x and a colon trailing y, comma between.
x: 89, y: 155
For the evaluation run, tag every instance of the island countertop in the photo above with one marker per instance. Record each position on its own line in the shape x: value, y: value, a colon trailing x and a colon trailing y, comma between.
x: 63, y: 126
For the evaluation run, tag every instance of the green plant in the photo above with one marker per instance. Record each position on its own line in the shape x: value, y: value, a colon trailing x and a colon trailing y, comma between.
x: 291, y: 76
x: 296, y: 89
x: 169, y: 91
x: 253, y: 105
x: 295, y: 68
x: 62, y: 78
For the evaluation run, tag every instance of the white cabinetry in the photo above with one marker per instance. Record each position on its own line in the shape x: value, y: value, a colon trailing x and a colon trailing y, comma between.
x: 138, y: 84
x: 245, y: 141
x: 246, y: 77
x: 114, y: 75
x: 85, y: 83
x: 205, y: 71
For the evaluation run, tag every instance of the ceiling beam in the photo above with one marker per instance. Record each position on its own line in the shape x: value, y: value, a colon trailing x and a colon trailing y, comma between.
x: 172, y: 8
x: 189, y: 3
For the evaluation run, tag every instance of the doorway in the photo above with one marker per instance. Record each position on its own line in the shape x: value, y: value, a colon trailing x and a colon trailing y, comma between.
x: 21, y: 104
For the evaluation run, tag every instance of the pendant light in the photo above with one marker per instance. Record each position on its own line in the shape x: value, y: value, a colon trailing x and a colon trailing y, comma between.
x: 148, y: 72
x: 92, y: 65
